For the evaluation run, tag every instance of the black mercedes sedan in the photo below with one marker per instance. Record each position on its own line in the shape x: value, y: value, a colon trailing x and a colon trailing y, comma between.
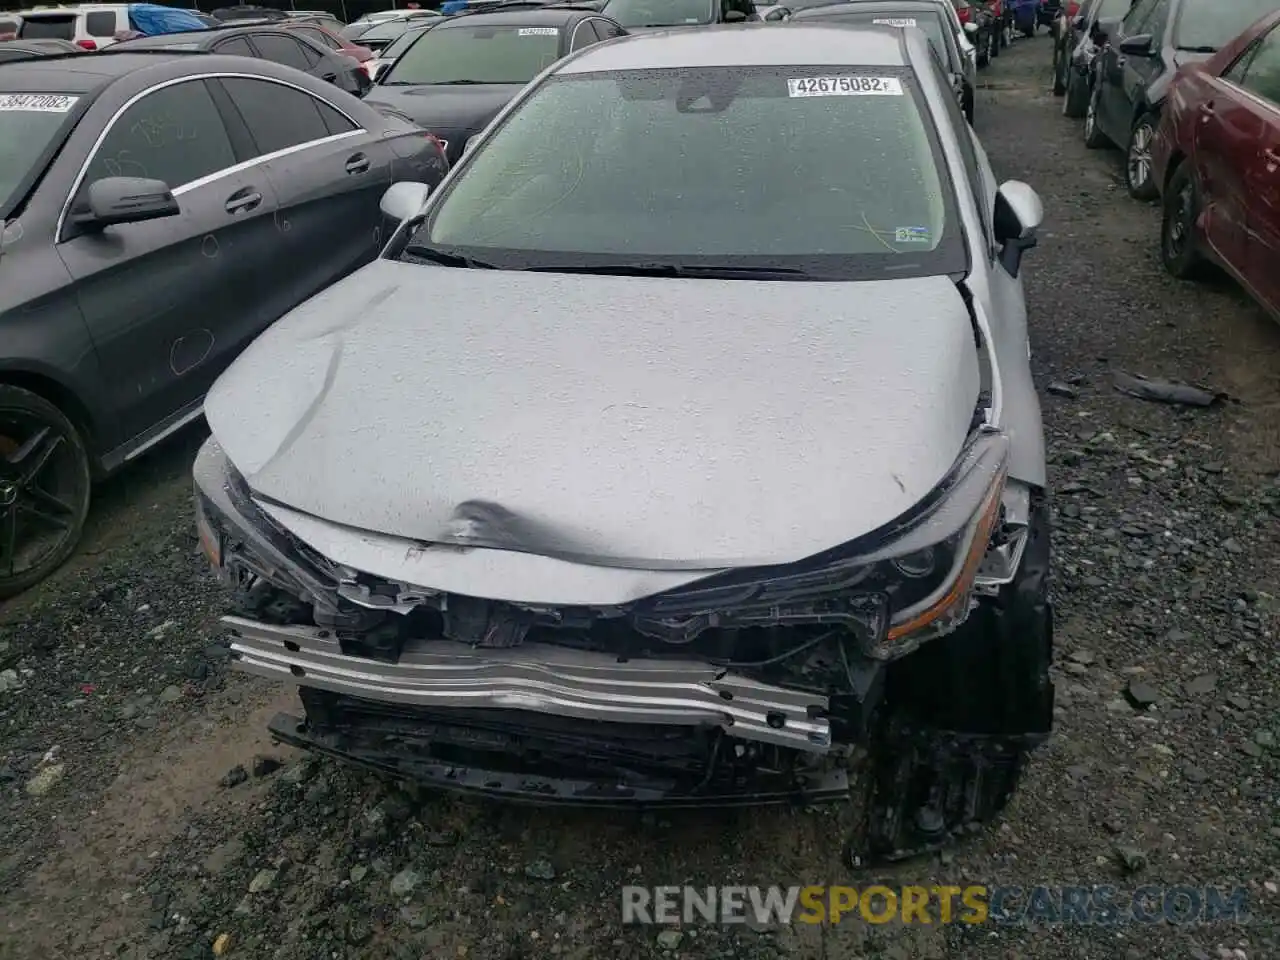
x: 456, y: 77
x: 159, y: 211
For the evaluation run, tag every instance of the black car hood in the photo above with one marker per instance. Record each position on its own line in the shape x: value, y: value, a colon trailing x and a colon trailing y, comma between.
x: 433, y: 107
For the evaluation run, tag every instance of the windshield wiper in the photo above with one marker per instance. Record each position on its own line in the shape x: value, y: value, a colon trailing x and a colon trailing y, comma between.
x: 1196, y: 49
x: 679, y: 270
x: 446, y: 259
x: 459, y: 83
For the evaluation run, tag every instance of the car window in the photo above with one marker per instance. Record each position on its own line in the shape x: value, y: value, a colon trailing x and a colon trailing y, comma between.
x: 480, y: 54
x: 278, y: 117
x: 320, y: 37
x: 584, y: 169
x: 59, y: 27
x: 174, y: 134
x: 661, y: 13
x: 282, y: 49
x: 1137, y: 16
x: 1262, y: 70
x: 608, y: 30
x: 583, y: 36
x: 237, y: 47
x: 29, y: 125
x: 1158, y: 22
x: 100, y: 23
x: 1212, y: 25
x: 399, y: 45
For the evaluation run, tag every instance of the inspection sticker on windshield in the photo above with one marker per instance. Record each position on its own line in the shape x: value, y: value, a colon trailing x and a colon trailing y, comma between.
x: 37, y: 102
x: 538, y: 31
x: 911, y: 235
x: 845, y: 87
x: 899, y: 22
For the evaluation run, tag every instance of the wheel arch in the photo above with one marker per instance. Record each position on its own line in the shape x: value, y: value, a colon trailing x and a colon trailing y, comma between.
x: 66, y: 399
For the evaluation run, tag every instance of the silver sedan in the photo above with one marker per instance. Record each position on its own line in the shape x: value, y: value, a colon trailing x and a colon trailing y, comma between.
x: 629, y: 474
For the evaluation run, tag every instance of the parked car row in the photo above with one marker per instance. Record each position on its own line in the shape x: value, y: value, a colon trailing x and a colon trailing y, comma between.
x: 1189, y: 90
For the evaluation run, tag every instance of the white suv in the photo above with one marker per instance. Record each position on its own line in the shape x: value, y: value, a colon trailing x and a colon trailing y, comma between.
x: 91, y: 26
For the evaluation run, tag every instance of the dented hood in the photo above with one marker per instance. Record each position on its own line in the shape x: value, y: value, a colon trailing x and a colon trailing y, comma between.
x: 637, y: 422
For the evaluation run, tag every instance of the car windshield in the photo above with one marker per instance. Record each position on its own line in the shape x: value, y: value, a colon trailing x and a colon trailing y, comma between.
x: 1210, y: 25
x: 664, y: 166
x: 386, y: 31
x: 29, y: 124
x: 660, y: 13
x: 930, y: 23
x: 484, y: 53
x: 401, y: 43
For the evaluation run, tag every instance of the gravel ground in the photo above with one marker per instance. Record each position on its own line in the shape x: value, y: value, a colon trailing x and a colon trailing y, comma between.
x: 143, y: 814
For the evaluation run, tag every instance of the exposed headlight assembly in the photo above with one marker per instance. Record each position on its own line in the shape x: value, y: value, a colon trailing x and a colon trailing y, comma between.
x: 895, y: 588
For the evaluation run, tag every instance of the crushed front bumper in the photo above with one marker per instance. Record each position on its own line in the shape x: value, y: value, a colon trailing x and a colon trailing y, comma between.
x: 540, y: 678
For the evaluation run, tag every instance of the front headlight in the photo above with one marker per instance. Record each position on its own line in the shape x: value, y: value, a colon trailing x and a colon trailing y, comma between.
x: 893, y: 589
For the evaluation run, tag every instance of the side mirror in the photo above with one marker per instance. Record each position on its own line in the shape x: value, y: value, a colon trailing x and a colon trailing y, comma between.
x: 1018, y: 216
x: 114, y: 200
x: 1079, y: 24
x: 734, y: 16
x: 1138, y: 46
x: 971, y: 28
x: 405, y: 199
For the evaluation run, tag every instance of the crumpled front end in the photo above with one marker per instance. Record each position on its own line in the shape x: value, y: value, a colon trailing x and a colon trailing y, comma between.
x: 740, y: 686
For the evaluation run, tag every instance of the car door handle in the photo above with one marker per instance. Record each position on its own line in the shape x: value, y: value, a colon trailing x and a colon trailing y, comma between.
x: 243, y: 200
x: 358, y: 164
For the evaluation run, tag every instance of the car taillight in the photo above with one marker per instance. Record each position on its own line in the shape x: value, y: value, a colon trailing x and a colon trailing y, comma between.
x: 87, y: 44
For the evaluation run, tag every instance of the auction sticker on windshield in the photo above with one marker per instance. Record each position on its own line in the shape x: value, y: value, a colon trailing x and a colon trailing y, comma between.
x: 845, y: 87
x: 896, y: 21
x: 538, y: 31
x: 37, y: 102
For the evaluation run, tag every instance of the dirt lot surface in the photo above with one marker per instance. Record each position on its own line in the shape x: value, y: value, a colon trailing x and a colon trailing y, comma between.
x: 125, y: 830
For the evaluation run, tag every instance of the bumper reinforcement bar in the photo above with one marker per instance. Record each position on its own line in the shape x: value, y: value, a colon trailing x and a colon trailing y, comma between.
x: 541, y: 678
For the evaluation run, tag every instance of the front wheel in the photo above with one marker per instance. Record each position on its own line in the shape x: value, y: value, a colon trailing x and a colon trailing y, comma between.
x: 1059, y: 73
x: 1094, y: 138
x: 967, y: 104
x: 1138, y: 167
x: 1179, y: 251
x: 44, y: 489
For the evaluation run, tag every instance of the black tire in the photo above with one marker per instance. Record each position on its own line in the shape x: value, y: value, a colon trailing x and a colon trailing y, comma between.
x: 996, y: 39
x: 1076, y: 101
x: 967, y: 105
x: 1094, y: 138
x: 1138, y: 170
x: 59, y: 460
x: 1179, y: 249
x: 1059, y: 73
x: 964, y: 713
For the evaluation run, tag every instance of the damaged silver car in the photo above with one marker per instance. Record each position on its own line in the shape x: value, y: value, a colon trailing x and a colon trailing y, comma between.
x: 630, y: 475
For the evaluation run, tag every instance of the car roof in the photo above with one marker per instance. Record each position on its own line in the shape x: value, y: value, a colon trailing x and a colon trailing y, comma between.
x: 746, y: 45
x: 199, y: 38
x: 838, y: 7
x: 78, y: 73
x: 519, y: 16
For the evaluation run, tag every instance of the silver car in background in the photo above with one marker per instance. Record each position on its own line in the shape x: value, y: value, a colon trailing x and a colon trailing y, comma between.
x: 628, y: 476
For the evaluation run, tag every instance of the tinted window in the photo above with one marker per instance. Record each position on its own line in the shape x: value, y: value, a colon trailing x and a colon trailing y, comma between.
x: 1262, y: 74
x: 100, y: 23
x: 236, y: 46
x: 320, y: 37
x: 282, y: 49
x: 661, y: 13
x: 59, y: 27
x: 585, y: 168
x: 1158, y: 23
x: 334, y: 122
x: 277, y: 116
x: 28, y: 125
x: 175, y: 135
x: 482, y: 54
x: 609, y: 30
x: 584, y: 35
x: 1214, y: 24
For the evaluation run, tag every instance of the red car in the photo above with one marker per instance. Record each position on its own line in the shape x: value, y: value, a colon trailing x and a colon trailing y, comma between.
x: 1216, y: 161
x: 327, y: 38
